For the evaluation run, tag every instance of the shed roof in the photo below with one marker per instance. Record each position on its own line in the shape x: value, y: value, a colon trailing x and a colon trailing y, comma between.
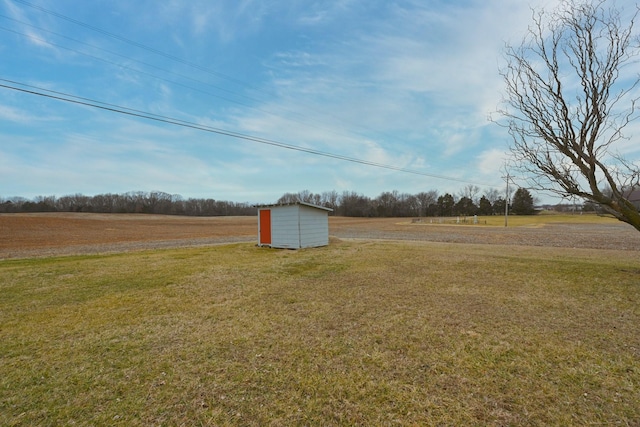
x: 294, y: 204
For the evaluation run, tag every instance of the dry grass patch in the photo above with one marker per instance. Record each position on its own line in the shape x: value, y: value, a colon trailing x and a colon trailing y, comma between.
x: 539, y: 220
x: 350, y: 334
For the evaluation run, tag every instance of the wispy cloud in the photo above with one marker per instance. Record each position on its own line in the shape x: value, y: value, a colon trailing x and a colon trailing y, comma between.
x: 15, y: 115
x: 30, y: 32
x: 228, y: 21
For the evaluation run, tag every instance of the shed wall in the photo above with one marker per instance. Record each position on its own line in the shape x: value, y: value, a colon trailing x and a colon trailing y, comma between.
x: 285, y: 227
x: 314, y: 227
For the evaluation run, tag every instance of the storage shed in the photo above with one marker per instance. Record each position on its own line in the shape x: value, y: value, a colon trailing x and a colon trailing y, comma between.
x: 293, y: 226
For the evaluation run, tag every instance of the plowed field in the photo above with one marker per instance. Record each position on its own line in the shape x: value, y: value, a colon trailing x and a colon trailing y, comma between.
x: 51, y: 234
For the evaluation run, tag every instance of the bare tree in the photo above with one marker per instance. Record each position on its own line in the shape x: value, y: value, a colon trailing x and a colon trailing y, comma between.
x: 288, y: 198
x: 305, y: 196
x: 426, y: 199
x: 571, y: 93
x: 330, y: 199
x: 471, y: 192
x: 492, y: 195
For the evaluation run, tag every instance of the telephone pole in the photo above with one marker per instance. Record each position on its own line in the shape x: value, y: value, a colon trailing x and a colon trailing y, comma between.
x: 506, y: 201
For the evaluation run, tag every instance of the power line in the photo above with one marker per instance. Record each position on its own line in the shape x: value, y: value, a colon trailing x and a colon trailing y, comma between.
x: 127, y: 67
x: 146, y: 73
x: 128, y: 58
x: 180, y: 60
x: 132, y: 42
x: 61, y: 96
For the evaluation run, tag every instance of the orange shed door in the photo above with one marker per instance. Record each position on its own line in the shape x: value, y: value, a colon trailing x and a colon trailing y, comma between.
x: 265, y: 227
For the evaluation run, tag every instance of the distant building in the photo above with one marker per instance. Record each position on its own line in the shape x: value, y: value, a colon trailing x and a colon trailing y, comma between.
x: 634, y: 197
x: 293, y: 225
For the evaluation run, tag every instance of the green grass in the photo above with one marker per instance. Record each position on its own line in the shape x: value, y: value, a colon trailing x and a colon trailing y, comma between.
x: 350, y: 334
x: 547, y: 217
x: 538, y: 220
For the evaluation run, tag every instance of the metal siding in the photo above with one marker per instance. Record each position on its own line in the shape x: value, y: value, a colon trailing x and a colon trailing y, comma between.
x: 314, y: 227
x: 284, y: 227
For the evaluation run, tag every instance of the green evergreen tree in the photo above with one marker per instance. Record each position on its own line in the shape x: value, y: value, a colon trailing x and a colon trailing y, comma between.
x: 465, y: 206
x: 484, y: 206
x: 446, y: 203
x: 522, y: 203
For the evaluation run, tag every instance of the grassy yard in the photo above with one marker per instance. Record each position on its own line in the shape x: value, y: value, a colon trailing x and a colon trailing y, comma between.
x: 547, y: 217
x: 537, y: 220
x: 351, y: 334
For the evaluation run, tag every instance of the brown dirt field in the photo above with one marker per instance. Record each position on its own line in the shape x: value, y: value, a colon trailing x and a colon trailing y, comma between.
x: 52, y: 234
x: 47, y: 234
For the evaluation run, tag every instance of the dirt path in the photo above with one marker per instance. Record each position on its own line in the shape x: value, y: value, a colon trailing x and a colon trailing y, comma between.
x: 50, y: 234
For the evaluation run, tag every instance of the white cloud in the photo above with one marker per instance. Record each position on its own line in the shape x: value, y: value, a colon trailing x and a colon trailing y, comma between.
x: 491, y: 161
x: 227, y: 20
x: 412, y: 70
x: 16, y: 115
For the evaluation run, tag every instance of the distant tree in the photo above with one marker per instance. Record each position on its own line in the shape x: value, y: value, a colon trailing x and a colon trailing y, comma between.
x: 385, y: 203
x: 177, y: 205
x: 499, y: 206
x: 492, y: 195
x: 408, y: 205
x: 7, y: 206
x: 465, y: 206
x: 287, y: 198
x: 305, y: 196
x: 40, y: 204
x: 158, y: 202
x: 426, y: 199
x: 471, y: 192
x: 484, y: 206
x: 522, y: 203
x: 330, y: 199
x: 354, y: 204
x: 446, y: 204
x: 208, y: 207
x: 316, y: 199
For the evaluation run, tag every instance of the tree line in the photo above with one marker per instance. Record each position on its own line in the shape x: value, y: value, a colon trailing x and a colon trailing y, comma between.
x: 155, y: 202
x: 468, y: 202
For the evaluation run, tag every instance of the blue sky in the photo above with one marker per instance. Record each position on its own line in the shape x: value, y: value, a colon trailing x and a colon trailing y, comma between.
x: 408, y: 84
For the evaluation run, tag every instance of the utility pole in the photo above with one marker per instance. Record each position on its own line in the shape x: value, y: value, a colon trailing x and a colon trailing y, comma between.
x: 506, y: 202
